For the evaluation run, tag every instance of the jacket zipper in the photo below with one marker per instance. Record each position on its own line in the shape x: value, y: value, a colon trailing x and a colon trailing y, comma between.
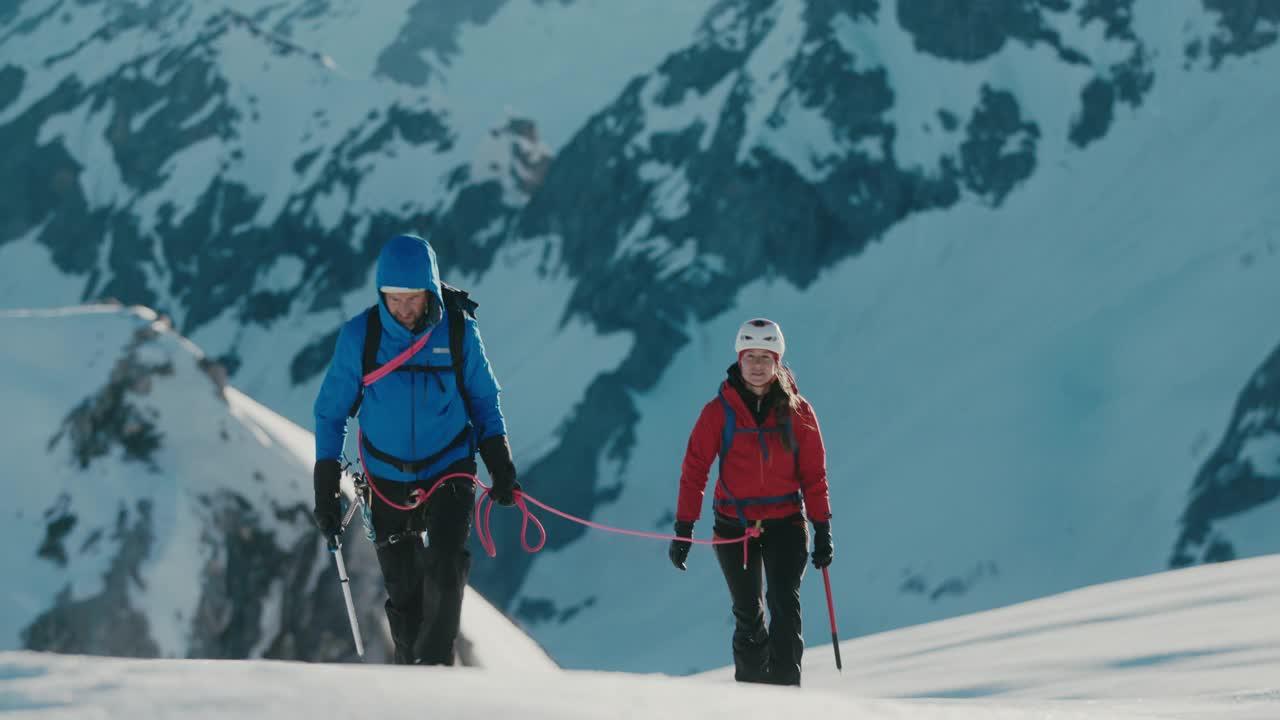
x: 763, y: 439
x: 413, y: 416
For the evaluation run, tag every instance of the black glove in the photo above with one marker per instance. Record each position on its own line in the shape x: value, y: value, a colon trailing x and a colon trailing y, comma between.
x: 328, y: 509
x: 679, y: 551
x: 495, y: 451
x: 823, y: 549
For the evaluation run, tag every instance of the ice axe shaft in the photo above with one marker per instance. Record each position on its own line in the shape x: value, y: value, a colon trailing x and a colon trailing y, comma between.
x: 335, y: 547
x: 351, y: 607
x: 831, y: 612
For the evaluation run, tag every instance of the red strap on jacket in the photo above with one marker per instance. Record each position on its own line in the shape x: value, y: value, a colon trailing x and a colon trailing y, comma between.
x: 397, y: 361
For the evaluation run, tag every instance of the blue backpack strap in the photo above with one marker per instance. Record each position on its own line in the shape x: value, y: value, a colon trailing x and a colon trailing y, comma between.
x: 795, y: 449
x: 771, y: 500
x: 730, y: 425
x: 726, y: 441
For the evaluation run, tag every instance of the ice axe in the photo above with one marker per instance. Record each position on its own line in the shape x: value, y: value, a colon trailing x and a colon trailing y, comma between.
x: 831, y: 612
x: 335, y: 547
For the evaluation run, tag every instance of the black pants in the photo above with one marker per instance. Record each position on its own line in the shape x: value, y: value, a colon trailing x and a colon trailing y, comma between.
x: 766, y: 655
x: 425, y: 582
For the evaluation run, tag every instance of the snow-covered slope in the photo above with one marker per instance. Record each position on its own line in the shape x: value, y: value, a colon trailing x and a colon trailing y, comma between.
x: 1197, y: 643
x: 156, y: 511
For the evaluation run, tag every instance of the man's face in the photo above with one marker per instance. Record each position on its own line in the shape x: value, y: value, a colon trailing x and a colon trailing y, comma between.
x: 407, y: 308
x: 758, y: 367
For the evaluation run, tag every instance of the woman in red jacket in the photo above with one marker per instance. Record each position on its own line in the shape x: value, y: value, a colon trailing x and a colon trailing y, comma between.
x: 773, y: 471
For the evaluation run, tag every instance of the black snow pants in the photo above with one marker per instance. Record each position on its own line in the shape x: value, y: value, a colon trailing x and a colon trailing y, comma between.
x: 763, y: 655
x: 425, y: 582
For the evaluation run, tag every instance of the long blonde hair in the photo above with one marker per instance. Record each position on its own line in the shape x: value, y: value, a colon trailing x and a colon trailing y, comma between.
x: 787, y: 384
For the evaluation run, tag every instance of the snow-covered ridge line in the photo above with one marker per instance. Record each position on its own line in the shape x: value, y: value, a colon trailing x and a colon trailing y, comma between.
x: 73, y: 310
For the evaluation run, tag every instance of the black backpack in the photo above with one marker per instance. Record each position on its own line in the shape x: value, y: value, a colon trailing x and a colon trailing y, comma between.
x: 458, y: 305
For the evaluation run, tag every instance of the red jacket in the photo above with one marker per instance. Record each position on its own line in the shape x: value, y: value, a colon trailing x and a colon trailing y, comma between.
x: 747, y: 472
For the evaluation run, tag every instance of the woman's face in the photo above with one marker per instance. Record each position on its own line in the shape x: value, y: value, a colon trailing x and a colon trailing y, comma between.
x: 758, y: 367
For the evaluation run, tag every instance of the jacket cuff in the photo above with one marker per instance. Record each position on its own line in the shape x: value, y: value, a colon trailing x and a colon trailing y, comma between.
x: 495, y: 451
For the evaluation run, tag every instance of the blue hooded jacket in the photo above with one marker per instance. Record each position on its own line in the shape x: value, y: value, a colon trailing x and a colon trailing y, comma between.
x: 410, y: 415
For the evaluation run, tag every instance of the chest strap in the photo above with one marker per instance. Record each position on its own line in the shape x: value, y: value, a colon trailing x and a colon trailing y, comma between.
x: 413, y: 467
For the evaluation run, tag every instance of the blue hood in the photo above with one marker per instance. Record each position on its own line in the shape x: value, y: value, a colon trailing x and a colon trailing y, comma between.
x: 408, y: 261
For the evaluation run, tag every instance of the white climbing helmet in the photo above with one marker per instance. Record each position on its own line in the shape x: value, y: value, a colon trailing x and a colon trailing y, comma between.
x: 760, y: 334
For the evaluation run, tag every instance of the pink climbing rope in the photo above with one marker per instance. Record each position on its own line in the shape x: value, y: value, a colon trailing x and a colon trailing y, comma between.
x: 522, y: 500
x: 418, y: 496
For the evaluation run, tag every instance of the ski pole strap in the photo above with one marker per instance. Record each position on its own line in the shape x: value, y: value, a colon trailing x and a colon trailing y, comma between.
x: 397, y: 361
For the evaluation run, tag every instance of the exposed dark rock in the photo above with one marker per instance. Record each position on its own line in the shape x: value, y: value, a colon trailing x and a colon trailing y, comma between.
x: 106, y: 623
x: 313, y: 358
x: 1241, y: 474
x: 917, y: 584
x: 1244, y: 27
x: 418, y: 128
x: 739, y: 25
x: 11, y: 80
x: 432, y: 26
x: 971, y: 30
x: 42, y: 185
x: 1000, y: 149
x: 60, y: 521
x: 254, y: 584
x: 1117, y: 15
x: 534, y: 611
x: 1097, y: 102
x: 244, y: 563
x: 110, y: 417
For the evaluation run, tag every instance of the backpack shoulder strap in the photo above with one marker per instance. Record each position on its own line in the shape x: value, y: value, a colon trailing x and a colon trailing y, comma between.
x: 730, y: 426
x: 459, y: 306
x: 460, y: 299
x: 795, y: 448
x: 372, y: 338
x: 726, y: 440
x: 369, y: 355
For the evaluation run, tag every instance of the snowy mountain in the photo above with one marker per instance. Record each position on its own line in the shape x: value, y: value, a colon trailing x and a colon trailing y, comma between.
x: 1194, y: 643
x: 1024, y: 252
x: 159, y: 512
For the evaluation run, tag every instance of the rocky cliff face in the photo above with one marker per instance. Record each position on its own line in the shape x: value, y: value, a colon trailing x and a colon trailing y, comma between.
x: 161, y: 522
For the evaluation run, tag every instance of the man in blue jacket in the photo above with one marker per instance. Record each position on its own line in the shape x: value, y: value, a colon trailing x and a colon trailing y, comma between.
x: 416, y: 425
